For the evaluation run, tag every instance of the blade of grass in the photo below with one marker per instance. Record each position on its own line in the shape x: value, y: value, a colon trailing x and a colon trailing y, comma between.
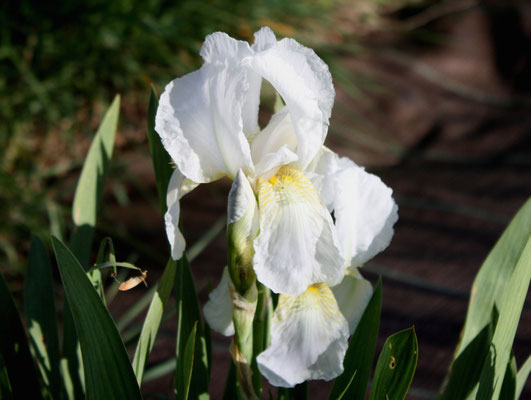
x: 352, y: 383
x: 87, y: 198
x: 201, y: 244
x: 162, y: 162
x: 185, y: 366
x: 463, y: 378
x: 14, y: 349
x: 41, y: 317
x: 493, y: 373
x: 188, y: 314
x: 396, y: 366
x: 5, y: 386
x: 521, y: 377
x: 108, y: 372
x: 508, y: 389
x: 490, y: 284
x: 153, y: 319
x: 105, y: 253
x: 89, y: 188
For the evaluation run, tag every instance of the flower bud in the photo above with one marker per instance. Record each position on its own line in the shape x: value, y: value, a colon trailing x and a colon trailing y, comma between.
x: 242, y: 228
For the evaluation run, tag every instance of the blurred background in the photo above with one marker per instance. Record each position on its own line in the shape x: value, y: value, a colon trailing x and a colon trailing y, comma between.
x: 433, y: 96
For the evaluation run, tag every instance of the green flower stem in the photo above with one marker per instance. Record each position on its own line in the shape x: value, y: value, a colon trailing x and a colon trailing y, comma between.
x: 242, y: 345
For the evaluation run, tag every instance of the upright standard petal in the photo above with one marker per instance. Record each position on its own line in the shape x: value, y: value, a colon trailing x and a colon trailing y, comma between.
x: 321, y: 172
x: 199, y: 117
x: 221, y: 48
x: 365, y: 213
x: 308, y: 339
x: 297, y: 244
x: 352, y: 296
x: 178, y: 186
x: 275, y: 145
x: 263, y: 39
x: 304, y: 82
x: 219, y: 307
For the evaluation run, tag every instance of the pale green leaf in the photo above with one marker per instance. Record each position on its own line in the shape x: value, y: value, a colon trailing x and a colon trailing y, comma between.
x: 89, y: 188
x: 512, y: 302
x: 521, y: 377
x: 490, y: 284
x: 153, y: 319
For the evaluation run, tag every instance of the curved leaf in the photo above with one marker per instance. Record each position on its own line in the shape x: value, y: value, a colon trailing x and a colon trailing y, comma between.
x: 108, y: 372
x: 153, y: 319
x: 41, y: 317
x: 494, y: 369
x: 161, y: 159
x: 14, y: 349
x: 396, y: 366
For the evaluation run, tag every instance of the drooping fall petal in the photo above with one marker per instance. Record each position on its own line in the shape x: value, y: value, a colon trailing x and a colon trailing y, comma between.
x: 308, y: 339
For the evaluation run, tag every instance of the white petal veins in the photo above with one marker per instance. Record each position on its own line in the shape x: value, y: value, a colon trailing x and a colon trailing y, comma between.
x: 199, y: 118
x: 304, y: 82
x: 297, y: 244
x: 308, y: 339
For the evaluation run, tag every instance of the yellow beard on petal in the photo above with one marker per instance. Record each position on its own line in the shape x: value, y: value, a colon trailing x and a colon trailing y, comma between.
x: 317, y: 297
x: 288, y: 186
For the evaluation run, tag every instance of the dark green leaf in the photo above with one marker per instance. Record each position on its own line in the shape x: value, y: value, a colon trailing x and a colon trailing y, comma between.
x: 6, y: 393
x: 105, y: 255
x: 41, y: 317
x: 161, y: 159
x: 508, y: 389
x: 185, y: 366
x: 85, y: 207
x: 14, y: 349
x: 493, y: 373
x: 466, y: 369
x: 188, y: 314
x: 352, y: 383
x: 153, y: 319
x: 108, y: 372
x: 396, y: 366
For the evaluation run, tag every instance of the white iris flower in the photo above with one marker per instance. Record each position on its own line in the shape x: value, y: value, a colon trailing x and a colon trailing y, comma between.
x: 309, y: 332
x: 208, y: 123
x: 287, y: 185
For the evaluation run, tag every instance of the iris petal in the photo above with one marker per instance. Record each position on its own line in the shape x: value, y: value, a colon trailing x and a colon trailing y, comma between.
x: 218, y: 309
x: 304, y: 82
x: 199, y: 118
x: 353, y: 295
x: 308, y: 339
x: 178, y: 186
x: 365, y: 212
x: 297, y: 245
